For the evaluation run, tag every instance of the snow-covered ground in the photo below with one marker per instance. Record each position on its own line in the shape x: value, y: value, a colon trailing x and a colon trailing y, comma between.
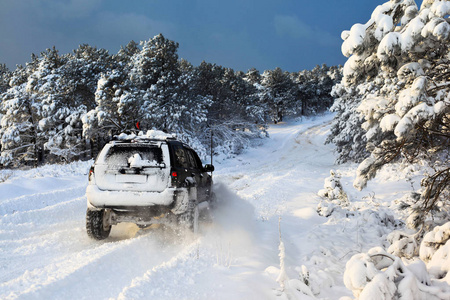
x: 267, y: 191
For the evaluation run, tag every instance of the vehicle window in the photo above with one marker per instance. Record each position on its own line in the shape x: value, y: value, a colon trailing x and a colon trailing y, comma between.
x: 197, y: 160
x: 180, y: 157
x: 118, y: 154
x: 192, y: 160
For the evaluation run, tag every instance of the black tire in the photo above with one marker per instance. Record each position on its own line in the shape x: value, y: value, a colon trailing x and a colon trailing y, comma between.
x: 189, y: 219
x: 96, y: 228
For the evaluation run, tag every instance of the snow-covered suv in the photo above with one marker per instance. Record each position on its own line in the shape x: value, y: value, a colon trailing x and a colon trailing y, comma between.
x: 146, y: 179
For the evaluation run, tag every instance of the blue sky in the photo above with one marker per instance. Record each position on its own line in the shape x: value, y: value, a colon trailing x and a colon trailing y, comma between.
x: 240, y: 34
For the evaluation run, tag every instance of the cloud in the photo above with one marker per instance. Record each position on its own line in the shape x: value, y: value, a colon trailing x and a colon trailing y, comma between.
x: 31, y: 26
x: 130, y: 26
x: 293, y: 27
x: 73, y: 8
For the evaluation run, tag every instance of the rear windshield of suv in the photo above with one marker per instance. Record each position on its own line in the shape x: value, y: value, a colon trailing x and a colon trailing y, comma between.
x: 118, y: 155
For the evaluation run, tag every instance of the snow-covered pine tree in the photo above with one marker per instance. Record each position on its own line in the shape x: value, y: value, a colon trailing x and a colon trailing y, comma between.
x: 280, y: 94
x: 208, y: 83
x: 346, y: 131
x: 20, y: 142
x: 65, y: 86
x: 5, y: 74
x: 117, y: 107
x: 239, y: 109
x: 399, y: 67
x: 126, y: 53
x: 315, y: 88
x: 82, y: 72
x: 46, y: 87
x: 256, y: 108
x: 190, y: 121
x: 156, y: 72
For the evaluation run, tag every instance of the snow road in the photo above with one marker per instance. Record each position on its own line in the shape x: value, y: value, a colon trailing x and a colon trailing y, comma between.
x: 46, y: 254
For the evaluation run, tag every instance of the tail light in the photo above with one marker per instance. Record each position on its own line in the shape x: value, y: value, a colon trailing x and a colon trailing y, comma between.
x: 174, y: 175
x: 91, y: 173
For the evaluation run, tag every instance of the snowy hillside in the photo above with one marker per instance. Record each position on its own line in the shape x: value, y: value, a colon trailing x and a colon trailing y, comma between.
x: 46, y: 254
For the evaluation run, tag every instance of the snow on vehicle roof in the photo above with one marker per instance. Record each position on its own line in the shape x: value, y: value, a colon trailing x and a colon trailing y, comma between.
x: 150, y: 135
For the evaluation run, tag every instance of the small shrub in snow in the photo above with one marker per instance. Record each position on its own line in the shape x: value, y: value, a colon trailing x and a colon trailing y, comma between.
x: 435, y: 249
x: 380, y: 275
x: 5, y: 175
x: 326, y: 209
x: 402, y: 244
x: 439, y: 265
x: 334, y: 195
x: 332, y: 188
x: 412, y: 210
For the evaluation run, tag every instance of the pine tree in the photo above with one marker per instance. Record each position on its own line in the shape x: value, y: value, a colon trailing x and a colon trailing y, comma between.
x: 346, y: 131
x: 5, y: 74
x: 126, y: 53
x: 255, y: 107
x: 156, y: 72
x: 81, y: 75
x: 208, y: 83
x: 398, y: 68
x: 280, y: 94
x: 315, y: 87
x: 118, y: 105
x: 20, y: 142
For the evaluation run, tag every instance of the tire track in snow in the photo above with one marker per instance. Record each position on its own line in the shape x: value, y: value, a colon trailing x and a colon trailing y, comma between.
x: 153, y: 283
x: 42, y: 217
x: 292, y: 171
x: 43, y: 234
x: 54, y: 233
x: 41, y: 226
x: 99, y: 271
x: 40, y: 200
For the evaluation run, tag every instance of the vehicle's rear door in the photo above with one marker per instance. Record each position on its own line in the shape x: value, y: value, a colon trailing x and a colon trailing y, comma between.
x: 180, y: 165
x: 201, y: 178
x: 134, y: 167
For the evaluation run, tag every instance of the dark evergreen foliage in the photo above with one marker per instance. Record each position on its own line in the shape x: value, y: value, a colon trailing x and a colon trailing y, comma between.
x: 65, y: 107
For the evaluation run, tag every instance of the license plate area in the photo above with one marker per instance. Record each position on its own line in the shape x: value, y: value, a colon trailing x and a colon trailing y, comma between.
x: 131, y: 178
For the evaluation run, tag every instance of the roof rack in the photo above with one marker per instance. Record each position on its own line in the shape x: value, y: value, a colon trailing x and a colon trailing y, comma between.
x: 151, y: 135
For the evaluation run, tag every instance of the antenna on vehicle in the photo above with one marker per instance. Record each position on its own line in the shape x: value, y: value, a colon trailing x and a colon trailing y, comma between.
x: 211, y: 131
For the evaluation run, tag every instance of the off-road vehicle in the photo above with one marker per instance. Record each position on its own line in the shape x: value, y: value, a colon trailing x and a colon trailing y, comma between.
x: 146, y: 179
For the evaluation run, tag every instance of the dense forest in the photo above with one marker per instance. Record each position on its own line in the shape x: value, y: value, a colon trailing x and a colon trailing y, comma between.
x: 65, y: 107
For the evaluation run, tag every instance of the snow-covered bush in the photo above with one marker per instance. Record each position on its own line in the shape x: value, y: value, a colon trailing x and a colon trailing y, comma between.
x: 332, y: 188
x: 411, y: 209
x: 433, y: 240
x: 5, y: 175
x: 333, y: 194
x: 382, y: 276
x: 378, y: 274
x: 402, y: 244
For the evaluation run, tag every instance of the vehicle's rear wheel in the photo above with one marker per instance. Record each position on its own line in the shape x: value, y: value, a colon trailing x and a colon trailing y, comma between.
x: 189, y: 219
x: 97, y: 226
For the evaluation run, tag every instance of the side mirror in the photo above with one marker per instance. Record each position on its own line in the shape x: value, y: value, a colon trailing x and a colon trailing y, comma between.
x: 209, y: 168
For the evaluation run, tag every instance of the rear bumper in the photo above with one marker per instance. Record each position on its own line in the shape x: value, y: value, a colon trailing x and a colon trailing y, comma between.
x: 105, y: 198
